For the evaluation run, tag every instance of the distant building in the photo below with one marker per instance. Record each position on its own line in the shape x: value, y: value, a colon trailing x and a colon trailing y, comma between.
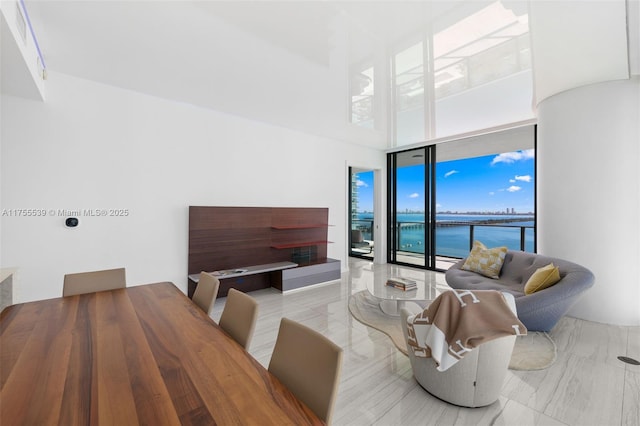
x: 354, y: 196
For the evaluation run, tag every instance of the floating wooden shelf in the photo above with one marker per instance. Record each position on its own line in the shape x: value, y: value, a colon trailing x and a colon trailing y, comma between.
x: 301, y: 244
x: 310, y: 226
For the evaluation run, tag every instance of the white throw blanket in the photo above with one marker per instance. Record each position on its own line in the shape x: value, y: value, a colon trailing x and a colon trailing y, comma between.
x: 458, y: 321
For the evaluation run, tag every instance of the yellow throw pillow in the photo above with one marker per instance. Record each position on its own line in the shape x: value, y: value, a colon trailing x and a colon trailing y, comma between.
x: 485, y: 261
x: 542, y: 278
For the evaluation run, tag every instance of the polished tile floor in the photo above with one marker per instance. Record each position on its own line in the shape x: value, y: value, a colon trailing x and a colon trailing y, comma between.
x: 587, y: 385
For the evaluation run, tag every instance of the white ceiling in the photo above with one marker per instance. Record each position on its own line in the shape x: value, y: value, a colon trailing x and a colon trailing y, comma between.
x: 574, y: 62
x: 285, y: 63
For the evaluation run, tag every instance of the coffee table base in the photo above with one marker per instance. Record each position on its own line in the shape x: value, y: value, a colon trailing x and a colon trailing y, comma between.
x: 391, y: 307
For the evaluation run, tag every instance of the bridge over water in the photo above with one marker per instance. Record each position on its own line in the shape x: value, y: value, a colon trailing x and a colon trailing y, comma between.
x: 420, y: 225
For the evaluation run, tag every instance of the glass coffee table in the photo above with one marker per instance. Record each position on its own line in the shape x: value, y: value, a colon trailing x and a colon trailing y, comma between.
x: 429, y: 286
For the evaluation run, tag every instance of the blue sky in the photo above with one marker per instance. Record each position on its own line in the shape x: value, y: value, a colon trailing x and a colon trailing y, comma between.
x: 490, y: 183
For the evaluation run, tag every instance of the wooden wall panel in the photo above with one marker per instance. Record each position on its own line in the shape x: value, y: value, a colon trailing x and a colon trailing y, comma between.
x: 303, y: 216
x: 232, y: 237
x: 223, y: 249
x: 229, y: 217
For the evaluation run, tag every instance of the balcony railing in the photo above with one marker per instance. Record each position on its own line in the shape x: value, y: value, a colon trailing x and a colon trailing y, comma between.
x: 455, y: 239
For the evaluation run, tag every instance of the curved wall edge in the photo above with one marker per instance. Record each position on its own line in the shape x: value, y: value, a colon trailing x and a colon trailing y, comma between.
x: 589, y: 193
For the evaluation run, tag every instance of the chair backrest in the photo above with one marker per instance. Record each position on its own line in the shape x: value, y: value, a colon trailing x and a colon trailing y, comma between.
x: 356, y: 236
x: 90, y: 282
x: 206, y: 292
x: 308, y: 364
x: 239, y: 316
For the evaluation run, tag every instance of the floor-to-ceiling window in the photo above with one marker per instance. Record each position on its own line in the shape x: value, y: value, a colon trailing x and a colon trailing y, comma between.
x: 465, y: 71
x: 462, y: 94
x: 486, y: 192
x: 444, y: 196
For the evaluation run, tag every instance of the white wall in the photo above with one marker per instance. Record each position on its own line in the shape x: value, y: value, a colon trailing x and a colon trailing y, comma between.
x: 589, y: 193
x: 92, y: 146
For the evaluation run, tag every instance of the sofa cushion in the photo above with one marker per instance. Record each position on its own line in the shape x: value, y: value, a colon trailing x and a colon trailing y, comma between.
x: 542, y: 278
x: 485, y: 261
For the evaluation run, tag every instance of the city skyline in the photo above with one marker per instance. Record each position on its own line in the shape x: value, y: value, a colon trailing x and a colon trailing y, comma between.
x: 487, y: 184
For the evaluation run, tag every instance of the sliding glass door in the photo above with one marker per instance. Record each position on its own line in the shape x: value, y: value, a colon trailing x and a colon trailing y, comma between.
x: 410, y: 207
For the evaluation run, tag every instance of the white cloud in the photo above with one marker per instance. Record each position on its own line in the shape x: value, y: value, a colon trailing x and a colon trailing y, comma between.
x: 492, y: 193
x: 414, y: 195
x: 361, y: 183
x: 513, y: 188
x: 512, y: 181
x: 511, y: 157
x: 525, y: 178
x: 452, y: 172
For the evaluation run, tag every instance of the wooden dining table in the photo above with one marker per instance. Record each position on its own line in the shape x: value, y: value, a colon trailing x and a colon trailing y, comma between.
x: 139, y: 355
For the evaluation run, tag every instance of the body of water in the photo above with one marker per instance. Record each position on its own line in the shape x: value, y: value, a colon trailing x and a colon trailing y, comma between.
x: 452, y: 232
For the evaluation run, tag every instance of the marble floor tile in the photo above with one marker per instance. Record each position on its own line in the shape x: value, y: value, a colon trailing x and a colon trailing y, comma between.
x: 588, y: 393
x: 515, y: 413
x: 591, y: 340
x: 631, y: 402
x: 633, y: 348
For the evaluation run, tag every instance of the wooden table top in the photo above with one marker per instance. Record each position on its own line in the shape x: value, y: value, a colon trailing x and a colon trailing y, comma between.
x: 140, y: 355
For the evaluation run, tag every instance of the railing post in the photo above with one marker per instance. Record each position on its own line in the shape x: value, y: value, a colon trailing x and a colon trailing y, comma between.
x: 471, y: 230
x: 522, y: 238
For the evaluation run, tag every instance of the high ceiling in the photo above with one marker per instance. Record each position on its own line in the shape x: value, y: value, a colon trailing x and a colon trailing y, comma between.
x: 285, y: 63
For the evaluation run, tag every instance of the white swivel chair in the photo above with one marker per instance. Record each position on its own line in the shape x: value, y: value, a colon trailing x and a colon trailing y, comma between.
x: 474, y: 381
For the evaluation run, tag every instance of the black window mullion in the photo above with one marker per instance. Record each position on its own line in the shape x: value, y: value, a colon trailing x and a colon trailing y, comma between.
x: 391, y: 200
x: 432, y: 207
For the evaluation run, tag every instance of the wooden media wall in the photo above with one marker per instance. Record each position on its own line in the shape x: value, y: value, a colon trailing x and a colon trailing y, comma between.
x: 222, y: 238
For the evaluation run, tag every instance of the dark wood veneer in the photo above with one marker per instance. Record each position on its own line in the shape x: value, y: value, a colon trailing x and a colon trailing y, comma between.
x: 232, y: 237
x: 137, y: 355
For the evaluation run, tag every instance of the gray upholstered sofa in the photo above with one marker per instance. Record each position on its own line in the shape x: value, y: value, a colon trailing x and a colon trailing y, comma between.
x: 539, y: 311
